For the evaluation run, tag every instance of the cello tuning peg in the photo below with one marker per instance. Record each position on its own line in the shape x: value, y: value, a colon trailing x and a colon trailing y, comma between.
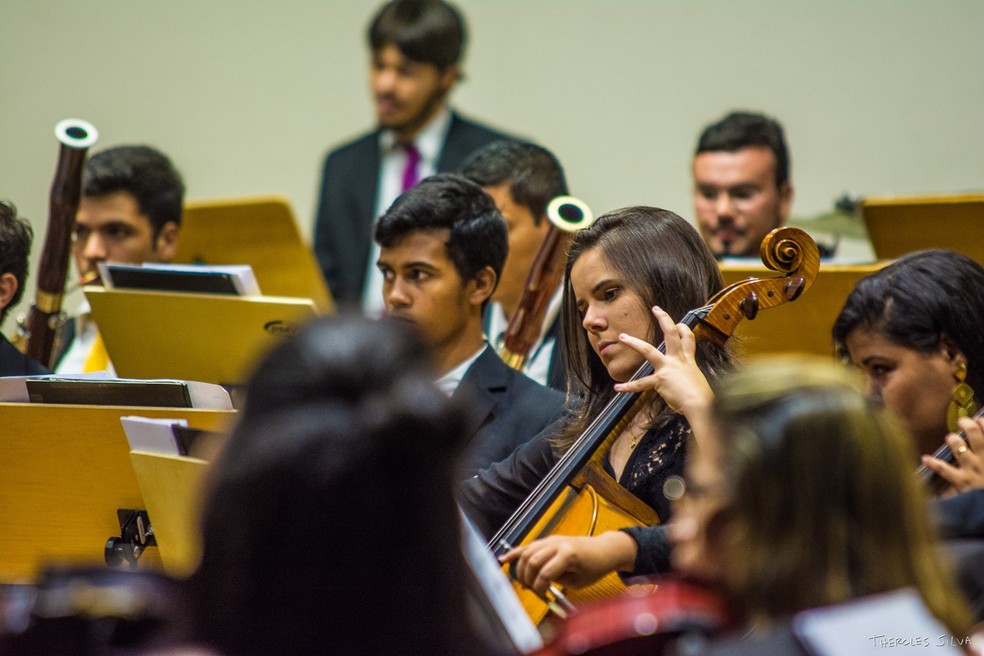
x: 750, y: 306
x: 793, y: 288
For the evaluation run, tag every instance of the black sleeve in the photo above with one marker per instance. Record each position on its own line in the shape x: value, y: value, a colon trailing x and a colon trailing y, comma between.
x: 490, y: 497
x: 962, y: 515
x: 654, y: 545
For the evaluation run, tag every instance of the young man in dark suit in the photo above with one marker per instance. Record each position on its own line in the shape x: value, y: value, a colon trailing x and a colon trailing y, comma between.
x: 442, y: 246
x: 15, y: 246
x: 416, y: 50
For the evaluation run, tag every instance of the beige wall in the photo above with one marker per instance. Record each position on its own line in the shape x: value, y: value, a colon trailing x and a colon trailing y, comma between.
x: 877, y: 96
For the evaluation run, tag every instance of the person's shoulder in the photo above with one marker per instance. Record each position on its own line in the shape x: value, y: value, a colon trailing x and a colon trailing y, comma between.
x: 365, y: 142
x: 528, y: 383
x: 519, y: 384
x: 532, y: 391
x: 470, y: 128
x: 15, y: 363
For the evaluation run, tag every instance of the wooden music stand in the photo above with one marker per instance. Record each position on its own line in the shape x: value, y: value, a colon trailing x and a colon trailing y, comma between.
x: 259, y: 231
x: 172, y: 491
x: 900, y: 225
x: 803, y: 326
x: 201, y: 337
x: 64, y: 472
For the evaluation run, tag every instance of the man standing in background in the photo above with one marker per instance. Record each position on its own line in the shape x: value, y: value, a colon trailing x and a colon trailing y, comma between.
x: 416, y: 50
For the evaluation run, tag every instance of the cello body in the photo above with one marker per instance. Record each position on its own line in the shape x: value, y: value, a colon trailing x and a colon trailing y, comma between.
x: 593, y: 504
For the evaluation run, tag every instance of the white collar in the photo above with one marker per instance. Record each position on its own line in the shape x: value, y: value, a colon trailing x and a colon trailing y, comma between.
x: 498, y: 321
x: 428, y: 140
x: 449, y: 382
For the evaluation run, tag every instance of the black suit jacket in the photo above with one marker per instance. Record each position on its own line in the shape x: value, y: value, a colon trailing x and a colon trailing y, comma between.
x: 346, y: 211
x: 508, y: 408
x: 15, y: 363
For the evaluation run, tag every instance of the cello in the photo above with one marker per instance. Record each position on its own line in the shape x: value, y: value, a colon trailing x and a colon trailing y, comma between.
x: 577, y: 497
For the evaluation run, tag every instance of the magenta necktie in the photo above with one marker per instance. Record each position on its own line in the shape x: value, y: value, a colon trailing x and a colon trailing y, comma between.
x: 411, y: 175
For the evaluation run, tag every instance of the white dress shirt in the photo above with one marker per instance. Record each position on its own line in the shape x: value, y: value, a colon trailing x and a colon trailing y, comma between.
x: 393, y: 159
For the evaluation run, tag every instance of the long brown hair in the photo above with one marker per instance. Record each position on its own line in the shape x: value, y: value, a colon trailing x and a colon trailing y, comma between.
x: 823, y: 504
x: 666, y: 263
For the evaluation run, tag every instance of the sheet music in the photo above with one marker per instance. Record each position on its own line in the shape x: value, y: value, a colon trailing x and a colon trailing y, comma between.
x: 241, y: 274
x: 152, y: 435
x: 889, y: 623
x: 498, y: 588
x: 13, y: 389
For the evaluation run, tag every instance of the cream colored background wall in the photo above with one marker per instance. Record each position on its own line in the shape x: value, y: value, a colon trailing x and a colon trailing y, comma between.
x: 877, y: 96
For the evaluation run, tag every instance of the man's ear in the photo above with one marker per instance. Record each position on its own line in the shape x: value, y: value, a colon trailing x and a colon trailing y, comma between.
x: 8, y: 289
x: 448, y: 77
x: 785, y: 200
x: 166, y: 242
x: 483, y: 284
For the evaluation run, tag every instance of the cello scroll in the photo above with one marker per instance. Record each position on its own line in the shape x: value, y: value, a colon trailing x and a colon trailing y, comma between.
x: 789, y: 251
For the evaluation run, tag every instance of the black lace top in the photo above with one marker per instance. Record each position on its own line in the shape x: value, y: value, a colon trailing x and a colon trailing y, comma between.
x: 659, y: 455
x: 490, y: 497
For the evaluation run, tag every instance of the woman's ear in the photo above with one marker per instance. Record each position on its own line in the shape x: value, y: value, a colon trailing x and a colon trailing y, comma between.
x: 951, y: 351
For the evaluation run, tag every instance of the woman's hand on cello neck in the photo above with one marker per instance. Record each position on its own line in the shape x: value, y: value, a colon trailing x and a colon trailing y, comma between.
x: 676, y: 376
x: 967, y: 471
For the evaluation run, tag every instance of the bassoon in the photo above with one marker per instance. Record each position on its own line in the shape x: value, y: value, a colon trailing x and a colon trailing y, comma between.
x: 76, y: 137
x: 566, y: 215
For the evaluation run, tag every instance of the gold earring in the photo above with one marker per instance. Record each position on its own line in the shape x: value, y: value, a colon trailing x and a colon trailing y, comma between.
x: 961, y: 399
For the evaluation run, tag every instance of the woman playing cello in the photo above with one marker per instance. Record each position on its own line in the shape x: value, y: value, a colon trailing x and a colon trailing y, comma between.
x: 630, y: 275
